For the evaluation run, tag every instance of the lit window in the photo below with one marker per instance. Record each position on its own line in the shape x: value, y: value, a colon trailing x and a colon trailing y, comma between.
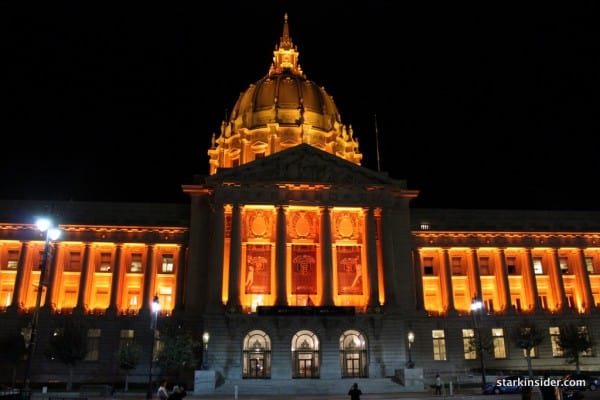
x: 538, y: 268
x: 564, y: 265
x: 13, y: 259
x: 126, y: 337
x: 439, y: 344
x: 105, y: 262
x: 469, y: 345
x: 583, y: 331
x: 498, y: 341
x: 136, y: 263
x: 557, y: 351
x: 93, y: 345
x: 167, y: 264
x: 589, y: 265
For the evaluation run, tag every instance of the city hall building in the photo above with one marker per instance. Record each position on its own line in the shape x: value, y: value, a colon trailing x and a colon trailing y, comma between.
x: 308, y: 271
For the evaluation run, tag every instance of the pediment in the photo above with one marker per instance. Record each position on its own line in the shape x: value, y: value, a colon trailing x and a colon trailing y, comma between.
x: 302, y: 164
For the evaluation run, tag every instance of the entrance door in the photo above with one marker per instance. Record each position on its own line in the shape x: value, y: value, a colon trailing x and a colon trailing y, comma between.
x: 305, y: 368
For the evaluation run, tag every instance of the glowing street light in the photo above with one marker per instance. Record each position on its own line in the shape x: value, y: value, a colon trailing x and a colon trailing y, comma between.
x: 411, y: 340
x: 205, y: 339
x: 153, y: 326
x: 44, y: 225
x: 477, y: 308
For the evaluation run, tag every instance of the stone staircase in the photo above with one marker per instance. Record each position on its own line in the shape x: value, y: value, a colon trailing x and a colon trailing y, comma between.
x: 306, y: 386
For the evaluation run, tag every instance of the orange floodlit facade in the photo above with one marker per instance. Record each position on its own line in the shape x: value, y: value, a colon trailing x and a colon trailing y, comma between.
x: 299, y: 263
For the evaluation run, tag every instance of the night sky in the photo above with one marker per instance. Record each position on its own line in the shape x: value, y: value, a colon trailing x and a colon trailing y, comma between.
x: 477, y: 104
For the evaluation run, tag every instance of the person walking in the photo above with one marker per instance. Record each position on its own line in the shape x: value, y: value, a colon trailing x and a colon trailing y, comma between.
x: 162, y: 392
x: 354, y: 392
x: 438, y: 385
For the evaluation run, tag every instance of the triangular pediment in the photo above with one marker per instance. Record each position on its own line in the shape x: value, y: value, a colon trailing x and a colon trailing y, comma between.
x: 302, y: 164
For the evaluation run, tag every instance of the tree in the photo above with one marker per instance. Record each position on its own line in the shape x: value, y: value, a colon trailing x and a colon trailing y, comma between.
x: 573, y: 341
x: 178, y: 349
x: 128, y: 356
x: 527, y: 336
x: 68, y: 344
x: 12, y: 351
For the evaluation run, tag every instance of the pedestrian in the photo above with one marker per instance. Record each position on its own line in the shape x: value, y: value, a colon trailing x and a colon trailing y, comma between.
x: 354, y: 392
x: 438, y: 385
x: 162, y: 392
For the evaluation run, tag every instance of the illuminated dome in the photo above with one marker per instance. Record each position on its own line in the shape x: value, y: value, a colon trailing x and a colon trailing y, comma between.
x: 280, y: 111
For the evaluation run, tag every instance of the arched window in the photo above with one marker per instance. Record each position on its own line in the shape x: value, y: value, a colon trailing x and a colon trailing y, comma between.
x: 257, y: 355
x: 305, y: 355
x: 353, y: 355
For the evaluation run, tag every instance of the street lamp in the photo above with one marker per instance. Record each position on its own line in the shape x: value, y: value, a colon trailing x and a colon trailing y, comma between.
x: 153, y: 323
x: 477, y: 308
x: 205, y: 339
x: 411, y: 340
x: 43, y: 225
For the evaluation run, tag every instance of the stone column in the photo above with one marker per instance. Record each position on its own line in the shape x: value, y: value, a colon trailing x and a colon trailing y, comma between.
x: 475, y: 275
x: 371, y: 235
x: 55, y: 251
x: 418, y: 279
x: 215, y: 273
x: 326, y: 260
x: 448, y: 282
x: 583, y: 280
x: 233, y: 301
x: 181, y: 279
x: 149, y: 273
x: 25, y: 248
x: 116, y: 281
x: 509, y: 309
x: 530, y: 281
x: 83, y: 280
x: 557, y: 281
x: 389, y: 259
x: 280, y: 251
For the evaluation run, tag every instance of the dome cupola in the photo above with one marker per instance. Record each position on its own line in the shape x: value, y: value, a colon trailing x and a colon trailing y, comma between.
x: 281, y: 110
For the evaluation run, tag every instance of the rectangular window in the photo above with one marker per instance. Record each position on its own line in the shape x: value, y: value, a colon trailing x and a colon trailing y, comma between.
x: 589, y: 265
x: 564, y: 265
x: 439, y: 344
x: 167, y: 264
x: 93, y: 345
x: 126, y: 336
x: 13, y: 259
x: 583, y: 331
x: 428, y: 266
x: 74, y: 262
x: 105, y: 262
x: 533, y: 353
x: 554, y: 340
x: 469, y: 345
x: 511, y: 265
x: 136, y: 263
x: 132, y: 299
x: 484, y: 266
x: 498, y: 342
x: 456, y: 263
x: 538, y: 268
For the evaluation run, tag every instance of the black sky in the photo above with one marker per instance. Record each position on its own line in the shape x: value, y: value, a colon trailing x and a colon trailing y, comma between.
x: 478, y: 104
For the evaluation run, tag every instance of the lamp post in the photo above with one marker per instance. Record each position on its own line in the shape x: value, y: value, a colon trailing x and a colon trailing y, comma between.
x: 44, y: 225
x: 411, y: 340
x: 205, y: 339
x: 477, y: 308
x: 153, y: 323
